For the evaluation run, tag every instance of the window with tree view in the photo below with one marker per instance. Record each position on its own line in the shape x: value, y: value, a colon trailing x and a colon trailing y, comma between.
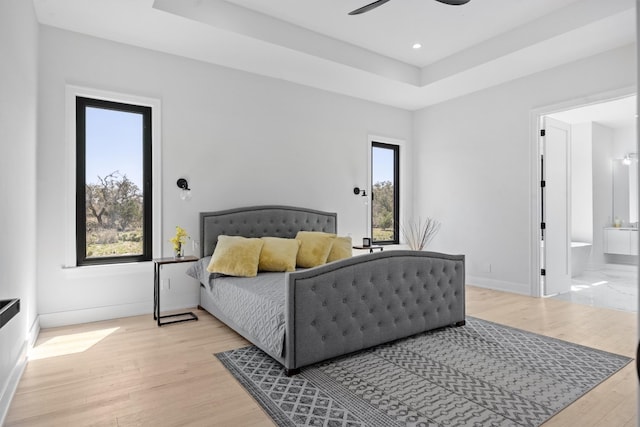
x: 113, y: 146
x: 385, y: 195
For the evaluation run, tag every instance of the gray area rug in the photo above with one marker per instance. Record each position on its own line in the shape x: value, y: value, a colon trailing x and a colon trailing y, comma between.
x: 480, y: 374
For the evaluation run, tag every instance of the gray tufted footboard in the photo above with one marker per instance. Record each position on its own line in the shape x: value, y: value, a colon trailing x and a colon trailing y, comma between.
x: 368, y: 300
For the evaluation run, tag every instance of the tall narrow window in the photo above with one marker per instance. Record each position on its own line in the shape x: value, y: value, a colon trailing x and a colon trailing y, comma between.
x: 113, y: 182
x: 385, y: 193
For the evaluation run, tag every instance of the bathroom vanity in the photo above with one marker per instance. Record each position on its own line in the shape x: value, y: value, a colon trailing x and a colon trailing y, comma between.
x: 621, y: 240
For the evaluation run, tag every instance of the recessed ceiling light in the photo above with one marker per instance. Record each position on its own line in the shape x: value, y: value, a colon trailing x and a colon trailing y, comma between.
x: 417, y: 46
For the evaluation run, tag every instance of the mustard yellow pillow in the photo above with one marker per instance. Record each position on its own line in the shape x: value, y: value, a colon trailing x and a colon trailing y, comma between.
x: 278, y: 254
x: 236, y: 256
x: 341, y: 249
x: 314, y: 248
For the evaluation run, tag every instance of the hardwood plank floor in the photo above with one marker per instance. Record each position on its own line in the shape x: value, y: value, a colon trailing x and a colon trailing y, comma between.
x: 128, y: 372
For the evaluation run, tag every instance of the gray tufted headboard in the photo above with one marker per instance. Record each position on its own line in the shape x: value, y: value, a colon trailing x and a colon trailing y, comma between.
x: 260, y: 221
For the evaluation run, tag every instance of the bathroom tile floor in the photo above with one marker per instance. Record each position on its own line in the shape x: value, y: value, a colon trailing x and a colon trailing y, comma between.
x: 613, y: 287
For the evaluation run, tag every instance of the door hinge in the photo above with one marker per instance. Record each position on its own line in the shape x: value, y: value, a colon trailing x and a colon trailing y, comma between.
x: 543, y: 132
x: 543, y: 272
x: 543, y: 225
x: 543, y: 183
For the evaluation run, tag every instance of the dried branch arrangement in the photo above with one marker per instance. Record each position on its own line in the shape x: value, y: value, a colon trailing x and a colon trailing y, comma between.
x: 418, y: 233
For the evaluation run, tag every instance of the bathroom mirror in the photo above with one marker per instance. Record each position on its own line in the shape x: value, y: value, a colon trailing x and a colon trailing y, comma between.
x: 625, y: 191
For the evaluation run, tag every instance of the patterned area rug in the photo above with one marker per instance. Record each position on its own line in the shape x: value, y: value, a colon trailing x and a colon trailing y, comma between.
x: 480, y: 374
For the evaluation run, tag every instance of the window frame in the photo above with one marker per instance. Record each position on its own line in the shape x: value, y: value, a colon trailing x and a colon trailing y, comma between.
x: 395, y: 147
x: 71, y: 93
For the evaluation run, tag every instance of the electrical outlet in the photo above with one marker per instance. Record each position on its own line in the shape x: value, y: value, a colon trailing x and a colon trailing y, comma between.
x: 488, y: 268
x: 165, y: 285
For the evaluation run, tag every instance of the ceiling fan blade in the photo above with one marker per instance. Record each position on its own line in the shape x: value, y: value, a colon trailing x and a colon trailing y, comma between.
x: 454, y: 2
x: 368, y: 7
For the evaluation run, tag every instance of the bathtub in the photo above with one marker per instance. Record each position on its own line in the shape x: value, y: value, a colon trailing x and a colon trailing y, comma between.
x: 580, y: 253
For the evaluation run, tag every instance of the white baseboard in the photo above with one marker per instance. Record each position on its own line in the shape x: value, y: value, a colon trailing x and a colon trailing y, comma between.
x: 12, y: 384
x: 34, y: 331
x: 74, y: 317
x: 499, y: 285
x: 96, y: 314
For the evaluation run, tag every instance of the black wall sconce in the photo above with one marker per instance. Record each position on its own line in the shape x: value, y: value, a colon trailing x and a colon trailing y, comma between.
x: 185, y: 191
x: 358, y: 191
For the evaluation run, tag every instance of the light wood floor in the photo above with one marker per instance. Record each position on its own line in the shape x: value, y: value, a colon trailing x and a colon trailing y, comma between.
x: 128, y: 372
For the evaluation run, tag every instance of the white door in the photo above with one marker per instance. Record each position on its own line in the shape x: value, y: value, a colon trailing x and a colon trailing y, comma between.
x: 556, y: 149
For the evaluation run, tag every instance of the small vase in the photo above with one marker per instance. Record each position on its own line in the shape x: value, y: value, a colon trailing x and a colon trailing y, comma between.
x: 179, y: 251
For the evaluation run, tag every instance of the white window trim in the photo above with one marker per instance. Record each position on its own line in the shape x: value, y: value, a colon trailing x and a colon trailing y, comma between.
x: 404, y: 175
x: 70, y: 167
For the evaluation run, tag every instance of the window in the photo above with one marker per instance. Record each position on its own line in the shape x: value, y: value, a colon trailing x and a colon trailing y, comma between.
x: 385, y: 193
x: 113, y: 182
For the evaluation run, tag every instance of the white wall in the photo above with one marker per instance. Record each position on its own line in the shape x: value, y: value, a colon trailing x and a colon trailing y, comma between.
x: 18, y: 115
x: 624, y: 141
x: 581, y: 183
x: 602, y: 140
x: 474, y: 166
x: 239, y: 139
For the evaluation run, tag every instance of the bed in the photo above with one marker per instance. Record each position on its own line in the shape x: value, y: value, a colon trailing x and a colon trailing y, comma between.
x: 310, y: 315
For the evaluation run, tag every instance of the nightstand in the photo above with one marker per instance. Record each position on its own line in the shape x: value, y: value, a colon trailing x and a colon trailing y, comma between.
x: 371, y: 248
x: 157, y: 264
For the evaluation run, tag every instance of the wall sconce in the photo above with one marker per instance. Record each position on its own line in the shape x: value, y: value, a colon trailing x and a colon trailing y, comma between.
x: 628, y: 157
x: 358, y: 191
x: 185, y: 191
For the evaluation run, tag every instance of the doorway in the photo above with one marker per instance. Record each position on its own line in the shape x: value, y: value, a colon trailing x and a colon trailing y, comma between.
x: 588, y: 203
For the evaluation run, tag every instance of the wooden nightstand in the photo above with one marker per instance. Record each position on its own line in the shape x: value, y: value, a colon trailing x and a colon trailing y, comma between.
x: 157, y: 264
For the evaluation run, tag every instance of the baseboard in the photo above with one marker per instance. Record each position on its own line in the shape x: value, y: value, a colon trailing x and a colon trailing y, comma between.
x: 499, y: 285
x: 9, y: 391
x: 34, y: 331
x: 11, y: 386
x: 96, y: 314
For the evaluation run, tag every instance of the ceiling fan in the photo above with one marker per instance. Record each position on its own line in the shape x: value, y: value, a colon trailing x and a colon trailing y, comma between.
x: 375, y: 4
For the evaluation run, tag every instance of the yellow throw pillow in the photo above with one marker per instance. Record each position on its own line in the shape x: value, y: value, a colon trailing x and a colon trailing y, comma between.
x: 342, y: 248
x: 278, y: 254
x: 314, y: 248
x: 236, y: 256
